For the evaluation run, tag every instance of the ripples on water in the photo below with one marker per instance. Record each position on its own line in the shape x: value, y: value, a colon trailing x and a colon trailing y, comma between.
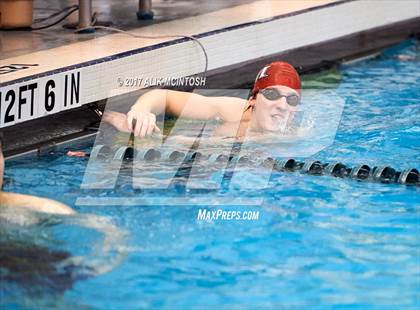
x: 320, y: 241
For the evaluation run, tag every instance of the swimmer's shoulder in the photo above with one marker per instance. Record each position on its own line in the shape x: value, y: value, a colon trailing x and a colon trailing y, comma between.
x: 230, y: 109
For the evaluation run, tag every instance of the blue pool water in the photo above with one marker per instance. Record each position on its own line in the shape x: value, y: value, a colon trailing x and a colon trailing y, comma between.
x: 320, y: 242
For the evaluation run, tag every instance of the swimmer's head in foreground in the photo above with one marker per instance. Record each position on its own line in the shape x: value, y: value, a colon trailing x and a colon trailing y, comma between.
x: 275, y: 96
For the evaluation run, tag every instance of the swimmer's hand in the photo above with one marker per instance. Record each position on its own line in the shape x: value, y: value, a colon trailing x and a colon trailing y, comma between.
x: 116, y: 119
x: 145, y: 122
x: 142, y: 122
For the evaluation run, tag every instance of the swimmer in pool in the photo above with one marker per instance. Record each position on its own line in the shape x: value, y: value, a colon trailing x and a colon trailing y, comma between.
x: 27, y: 202
x: 272, y: 103
x: 25, y: 210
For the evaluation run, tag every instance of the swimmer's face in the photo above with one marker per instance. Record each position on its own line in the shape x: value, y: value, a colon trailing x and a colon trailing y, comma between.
x: 274, y: 115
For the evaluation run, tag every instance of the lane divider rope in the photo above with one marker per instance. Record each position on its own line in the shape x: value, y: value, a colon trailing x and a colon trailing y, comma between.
x: 380, y: 174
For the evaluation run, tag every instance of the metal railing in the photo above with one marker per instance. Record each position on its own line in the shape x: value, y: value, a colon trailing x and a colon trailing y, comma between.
x: 86, y: 13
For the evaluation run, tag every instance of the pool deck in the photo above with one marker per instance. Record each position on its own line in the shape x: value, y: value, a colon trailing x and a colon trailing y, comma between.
x: 121, y: 13
x: 57, y: 82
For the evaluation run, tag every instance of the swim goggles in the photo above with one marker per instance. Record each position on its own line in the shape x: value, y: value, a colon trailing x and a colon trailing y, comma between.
x: 274, y: 94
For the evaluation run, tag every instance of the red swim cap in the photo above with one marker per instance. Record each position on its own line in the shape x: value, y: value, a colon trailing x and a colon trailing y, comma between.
x: 277, y: 73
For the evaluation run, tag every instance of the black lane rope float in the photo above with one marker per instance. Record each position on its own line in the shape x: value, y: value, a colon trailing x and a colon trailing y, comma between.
x: 380, y: 174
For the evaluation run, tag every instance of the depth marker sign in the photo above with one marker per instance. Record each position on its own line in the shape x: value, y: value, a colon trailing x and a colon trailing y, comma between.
x: 39, y: 97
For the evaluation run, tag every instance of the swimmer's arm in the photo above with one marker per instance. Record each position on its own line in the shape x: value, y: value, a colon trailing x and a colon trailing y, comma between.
x: 141, y: 119
x: 188, y: 105
x: 32, y: 203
